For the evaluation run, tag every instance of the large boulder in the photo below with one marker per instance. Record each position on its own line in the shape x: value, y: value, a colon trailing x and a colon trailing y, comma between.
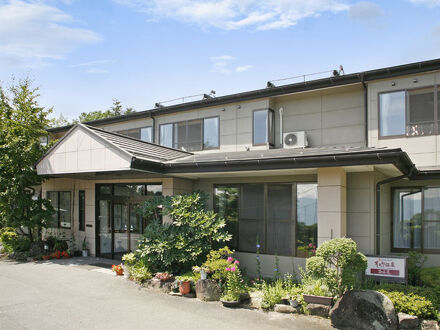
x: 208, y: 290
x: 364, y: 309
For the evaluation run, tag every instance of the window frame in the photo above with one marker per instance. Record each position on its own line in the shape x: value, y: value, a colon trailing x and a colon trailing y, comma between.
x: 422, y: 229
x: 58, y: 207
x: 139, y: 129
x: 270, y: 130
x: 81, y: 212
x: 173, y: 125
x: 294, y: 186
x: 436, y: 90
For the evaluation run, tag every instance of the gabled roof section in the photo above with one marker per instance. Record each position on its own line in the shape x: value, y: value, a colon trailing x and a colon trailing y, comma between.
x: 138, y: 148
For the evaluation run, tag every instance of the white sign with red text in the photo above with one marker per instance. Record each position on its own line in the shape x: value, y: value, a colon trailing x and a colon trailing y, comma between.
x: 389, y: 268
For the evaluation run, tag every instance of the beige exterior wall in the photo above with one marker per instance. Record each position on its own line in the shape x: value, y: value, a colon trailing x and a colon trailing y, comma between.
x: 330, y: 117
x: 424, y: 151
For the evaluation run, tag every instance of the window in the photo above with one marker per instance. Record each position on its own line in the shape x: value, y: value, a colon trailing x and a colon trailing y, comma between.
x: 191, y: 135
x: 416, y: 219
x: 263, y: 127
x: 188, y: 135
x: 211, y: 133
x: 266, y: 213
x: 143, y: 133
x: 166, y: 135
x: 60, y: 201
x: 410, y: 112
x: 82, y: 210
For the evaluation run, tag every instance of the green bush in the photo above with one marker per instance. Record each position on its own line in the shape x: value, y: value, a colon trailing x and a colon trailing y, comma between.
x: 415, y: 264
x: 430, y: 276
x: 216, y: 262
x: 337, y: 263
x: 273, y: 293
x: 139, y: 272
x: 316, y: 287
x: 177, y: 247
x: 8, y: 237
x: 412, y: 304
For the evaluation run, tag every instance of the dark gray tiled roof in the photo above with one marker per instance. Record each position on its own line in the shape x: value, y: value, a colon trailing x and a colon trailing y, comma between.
x: 271, y: 154
x: 139, y: 148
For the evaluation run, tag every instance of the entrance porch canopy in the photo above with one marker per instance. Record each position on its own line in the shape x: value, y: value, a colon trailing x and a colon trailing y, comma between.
x: 89, y: 151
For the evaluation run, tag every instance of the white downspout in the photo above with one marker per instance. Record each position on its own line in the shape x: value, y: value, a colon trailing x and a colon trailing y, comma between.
x: 281, y: 126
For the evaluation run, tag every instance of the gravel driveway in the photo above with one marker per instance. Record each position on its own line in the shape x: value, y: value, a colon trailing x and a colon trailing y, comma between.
x: 70, y: 294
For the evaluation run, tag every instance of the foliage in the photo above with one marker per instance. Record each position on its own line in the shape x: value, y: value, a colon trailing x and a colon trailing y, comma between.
x: 115, y: 110
x: 56, y: 244
x: 129, y: 259
x: 431, y: 294
x: 316, y: 287
x: 84, y: 244
x: 258, y: 246
x: 415, y: 264
x: 234, y: 282
x: 139, y: 272
x: 12, y: 242
x: 163, y: 276
x: 273, y: 294
x: 412, y: 304
x: 22, y: 123
x: 430, y: 276
x: 216, y: 262
x: 179, y: 246
x: 338, y: 263
x: 276, y: 270
x: 155, y: 208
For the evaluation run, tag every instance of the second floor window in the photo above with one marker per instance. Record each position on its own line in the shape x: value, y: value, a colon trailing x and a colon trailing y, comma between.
x: 143, y: 133
x: 263, y: 127
x: 409, y: 113
x: 191, y: 135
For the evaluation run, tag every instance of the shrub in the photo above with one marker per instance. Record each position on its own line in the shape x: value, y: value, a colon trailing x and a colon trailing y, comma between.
x: 194, y: 232
x: 316, y: 287
x: 8, y: 237
x: 430, y: 276
x: 337, y: 263
x: 129, y: 259
x: 138, y: 271
x: 273, y: 294
x: 415, y: 264
x: 412, y: 304
x: 216, y: 262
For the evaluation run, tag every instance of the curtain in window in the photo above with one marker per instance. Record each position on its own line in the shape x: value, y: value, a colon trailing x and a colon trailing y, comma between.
x: 431, y: 230
x: 251, y: 224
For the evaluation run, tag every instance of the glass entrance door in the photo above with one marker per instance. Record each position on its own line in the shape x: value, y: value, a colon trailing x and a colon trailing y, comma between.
x: 105, y: 228
x: 120, y: 226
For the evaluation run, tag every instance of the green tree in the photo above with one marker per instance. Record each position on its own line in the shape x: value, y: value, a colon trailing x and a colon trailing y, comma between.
x: 22, y: 124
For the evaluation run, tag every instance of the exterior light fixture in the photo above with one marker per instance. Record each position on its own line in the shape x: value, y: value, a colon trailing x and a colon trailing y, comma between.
x: 393, y: 83
x: 415, y: 80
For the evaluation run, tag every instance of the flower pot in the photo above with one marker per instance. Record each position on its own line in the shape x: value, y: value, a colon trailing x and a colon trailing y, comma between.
x: 311, y: 299
x: 46, y: 257
x: 119, y: 272
x: 185, y: 287
x: 85, y: 253
x: 230, y: 304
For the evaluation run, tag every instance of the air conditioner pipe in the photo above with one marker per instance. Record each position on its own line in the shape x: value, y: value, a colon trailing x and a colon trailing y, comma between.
x: 281, y: 126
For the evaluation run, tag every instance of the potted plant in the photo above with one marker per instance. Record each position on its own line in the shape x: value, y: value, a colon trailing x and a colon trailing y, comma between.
x: 184, y: 284
x: 317, y: 292
x: 85, y: 251
x: 118, y: 270
x: 164, y: 276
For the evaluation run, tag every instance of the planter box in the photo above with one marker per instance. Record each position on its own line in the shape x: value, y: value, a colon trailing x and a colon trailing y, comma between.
x: 310, y: 299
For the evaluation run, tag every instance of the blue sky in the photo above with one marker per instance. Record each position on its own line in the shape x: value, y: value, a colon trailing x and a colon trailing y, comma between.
x: 84, y: 53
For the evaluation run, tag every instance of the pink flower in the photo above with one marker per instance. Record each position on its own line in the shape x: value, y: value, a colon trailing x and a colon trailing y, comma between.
x: 236, y: 262
x: 310, y: 245
x: 233, y: 269
x: 230, y: 259
x: 228, y: 269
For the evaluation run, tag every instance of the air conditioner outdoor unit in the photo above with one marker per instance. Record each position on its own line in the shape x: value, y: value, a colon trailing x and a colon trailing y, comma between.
x: 295, y: 140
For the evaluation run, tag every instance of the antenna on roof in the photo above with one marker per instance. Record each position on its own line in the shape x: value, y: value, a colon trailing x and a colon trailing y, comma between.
x: 270, y: 85
x: 158, y: 105
x: 207, y: 96
x: 340, y: 72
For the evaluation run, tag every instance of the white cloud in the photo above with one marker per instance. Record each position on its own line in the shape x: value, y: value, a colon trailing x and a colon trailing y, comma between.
x: 243, y: 68
x: 31, y: 31
x: 92, y: 63
x: 237, y: 14
x: 221, y: 63
x: 365, y: 12
x: 429, y: 3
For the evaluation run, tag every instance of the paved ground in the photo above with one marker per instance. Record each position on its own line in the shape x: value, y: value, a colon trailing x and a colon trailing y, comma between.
x: 67, y: 294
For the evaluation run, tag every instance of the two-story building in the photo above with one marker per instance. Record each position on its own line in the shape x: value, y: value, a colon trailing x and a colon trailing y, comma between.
x: 354, y: 155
